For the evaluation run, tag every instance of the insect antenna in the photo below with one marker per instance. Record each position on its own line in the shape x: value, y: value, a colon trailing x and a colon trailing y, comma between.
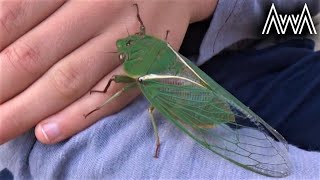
x: 111, y: 52
x: 127, y: 31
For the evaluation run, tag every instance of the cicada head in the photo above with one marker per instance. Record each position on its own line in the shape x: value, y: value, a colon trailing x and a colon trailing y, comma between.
x: 141, y: 54
x: 124, y: 47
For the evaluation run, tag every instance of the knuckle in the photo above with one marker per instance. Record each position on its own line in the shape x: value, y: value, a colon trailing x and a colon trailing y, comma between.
x: 23, y: 56
x: 66, y: 81
x: 9, y: 14
x: 4, y: 24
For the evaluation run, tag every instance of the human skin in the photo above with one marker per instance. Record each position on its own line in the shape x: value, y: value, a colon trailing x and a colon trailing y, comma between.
x: 52, y: 53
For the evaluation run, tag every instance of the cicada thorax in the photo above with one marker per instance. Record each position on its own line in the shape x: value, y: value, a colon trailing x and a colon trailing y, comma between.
x: 147, y: 55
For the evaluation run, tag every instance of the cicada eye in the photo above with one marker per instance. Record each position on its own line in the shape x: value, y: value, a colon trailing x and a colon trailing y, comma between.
x: 123, y: 57
x: 128, y: 42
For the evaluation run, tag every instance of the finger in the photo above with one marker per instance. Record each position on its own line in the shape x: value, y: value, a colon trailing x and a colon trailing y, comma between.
x: 70, y: 120
x: 19, y: 16
x: 65, y: 82
x: 29, y: 57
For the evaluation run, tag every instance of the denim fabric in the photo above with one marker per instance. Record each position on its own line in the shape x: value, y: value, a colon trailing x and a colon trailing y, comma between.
x: 121, y: 146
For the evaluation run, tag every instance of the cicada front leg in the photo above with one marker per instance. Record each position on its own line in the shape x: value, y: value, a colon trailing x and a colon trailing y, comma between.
x: 116, y: 79
x: 132, y: 83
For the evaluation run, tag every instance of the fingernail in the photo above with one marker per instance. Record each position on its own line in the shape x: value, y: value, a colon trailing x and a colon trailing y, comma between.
x: 50, y: 131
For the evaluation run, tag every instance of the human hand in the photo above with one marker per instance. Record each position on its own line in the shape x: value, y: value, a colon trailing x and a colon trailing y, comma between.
x: 54, y: 52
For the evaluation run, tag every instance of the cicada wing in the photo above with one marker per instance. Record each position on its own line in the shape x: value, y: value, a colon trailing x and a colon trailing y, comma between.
x: 213, y: 120
x: 193, y: 72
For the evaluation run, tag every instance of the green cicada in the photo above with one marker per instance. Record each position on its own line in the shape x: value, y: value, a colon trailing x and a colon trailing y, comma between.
x: 198, y: 106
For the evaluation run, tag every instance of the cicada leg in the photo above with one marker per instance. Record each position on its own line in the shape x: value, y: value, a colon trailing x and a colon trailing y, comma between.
x: 142, y: 27
x: 155, y: 128
x: 116, y: 79
x: 166, y: 38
